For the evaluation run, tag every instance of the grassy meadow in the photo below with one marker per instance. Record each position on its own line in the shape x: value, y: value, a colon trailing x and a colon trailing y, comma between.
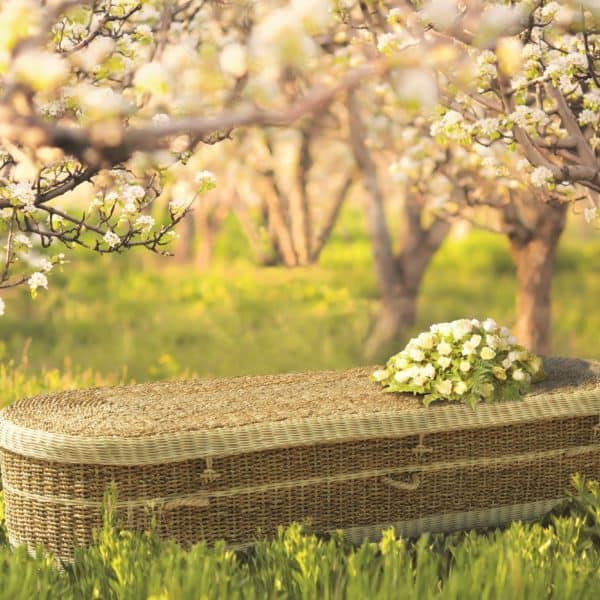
x: 136, y: 318
x: 140, y: 317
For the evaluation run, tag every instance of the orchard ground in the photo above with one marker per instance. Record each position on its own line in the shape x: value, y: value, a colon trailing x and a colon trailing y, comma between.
x: 138, y: 317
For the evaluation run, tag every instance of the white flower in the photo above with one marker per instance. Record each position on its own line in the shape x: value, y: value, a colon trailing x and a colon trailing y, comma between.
x: 44, y: 264
x: 2, y: 307
x: 145, y: 222
x: 475, y: 340
x: 22, y: 239
x: 460, y: 387
x: 589, y: 214
x: 425, y: 340
x: 24, y: 193
x: 400, y: 362
x: 468, y: 349
x: 444, y: 362
x: 576, y: 60
x: 97, y: 51
x: 152, y: 77
x: 112, y: 239
x: 465, y: 366
x: 403, y: 376
x: 587, y: 116
x: 518, y: 375
x: 461, y: 328
x: 178, y: 205
x: 444, y: 387
x: 233, y: 60
x: 388, y: 43
x: 381, y: 374
x: 428, y: 371
x: 444, y: 348
x: 488, y: 127
x: 281, y: 39
x: 489, y: 325
x: 161, y: 119
x: 540, y: 176
x: 206, y: 179
x: 493, y: 341
x: 487, y: 353
x: 101, y: 102
x: 40, y: 69
x: 419, y: 380
x: 394, y: 16
x: 444, y: 328
x: 416, y: 354
x: 592, y: 99
x: 143, y: 30
x: 315, y: 15
x: 528, y: 117
x: 550, y: 10
x: 133, y: 192
x: 507, y: 363
x: 416, y: 87
x: 37, y: 280
x: 440, y: 13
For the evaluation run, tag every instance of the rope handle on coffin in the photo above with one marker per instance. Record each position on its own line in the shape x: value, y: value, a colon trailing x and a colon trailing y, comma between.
x: 413, y: 484
x: 420, y: 450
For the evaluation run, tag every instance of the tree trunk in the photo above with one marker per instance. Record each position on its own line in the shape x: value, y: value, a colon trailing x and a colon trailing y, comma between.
x: 209, y: 220
x: 329, y: 221
x: 298, y: 203
x: 396, y: 314
x: 533, y: 252
x: 276, y: 202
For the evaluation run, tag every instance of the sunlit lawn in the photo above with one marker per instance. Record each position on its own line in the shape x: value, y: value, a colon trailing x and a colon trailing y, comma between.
x: 140, y: 317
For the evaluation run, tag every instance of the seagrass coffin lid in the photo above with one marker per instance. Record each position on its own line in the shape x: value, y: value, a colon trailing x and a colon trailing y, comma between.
x: 173, y: 421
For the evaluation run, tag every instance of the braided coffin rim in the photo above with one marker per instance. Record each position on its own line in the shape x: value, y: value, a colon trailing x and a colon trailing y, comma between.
x: 252, y: 438
x: 204, y: 442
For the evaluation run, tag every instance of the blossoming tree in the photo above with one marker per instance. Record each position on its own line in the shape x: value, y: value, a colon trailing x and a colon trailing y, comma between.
x: 519, y: 78
x: 104, y: 104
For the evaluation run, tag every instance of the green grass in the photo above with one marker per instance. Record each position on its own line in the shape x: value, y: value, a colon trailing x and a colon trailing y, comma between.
x: 144, y: 318
x: 559, y: 558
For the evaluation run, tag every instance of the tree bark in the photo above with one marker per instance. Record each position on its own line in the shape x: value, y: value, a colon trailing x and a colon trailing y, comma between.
x: 209, y: 220
x: 330, y: 221
x: 534, y: 250
x: 398, y: 277
x: 298, y: 203
x: 276, y: 203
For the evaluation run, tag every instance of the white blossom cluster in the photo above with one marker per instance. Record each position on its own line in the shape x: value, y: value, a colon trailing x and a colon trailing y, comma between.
x: 466, y: 360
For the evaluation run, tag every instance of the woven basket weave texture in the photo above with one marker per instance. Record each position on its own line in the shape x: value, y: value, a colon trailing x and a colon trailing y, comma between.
x: 234, y: 458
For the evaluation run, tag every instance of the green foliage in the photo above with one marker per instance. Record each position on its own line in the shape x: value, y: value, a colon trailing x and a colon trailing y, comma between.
x: 168, y: 320
x: 557, y: 559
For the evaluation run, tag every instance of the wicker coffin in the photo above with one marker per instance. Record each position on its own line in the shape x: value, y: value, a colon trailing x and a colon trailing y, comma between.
x: 234, y: 458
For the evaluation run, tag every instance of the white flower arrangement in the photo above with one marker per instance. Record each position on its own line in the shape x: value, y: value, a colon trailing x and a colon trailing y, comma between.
x: 466, y: 360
